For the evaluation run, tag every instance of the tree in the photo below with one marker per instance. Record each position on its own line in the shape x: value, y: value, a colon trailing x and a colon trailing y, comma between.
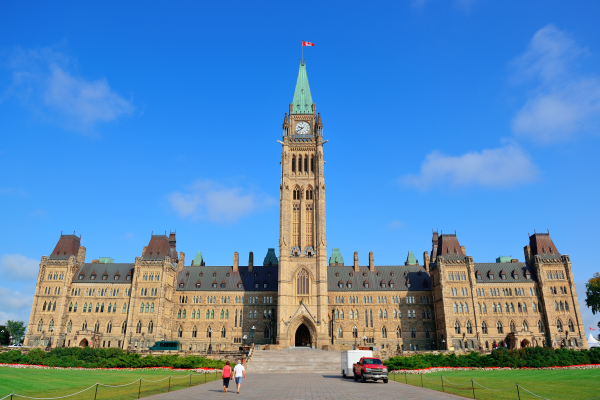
x: 592, y: 293
x: 4, y: 335
x: 17, y: 330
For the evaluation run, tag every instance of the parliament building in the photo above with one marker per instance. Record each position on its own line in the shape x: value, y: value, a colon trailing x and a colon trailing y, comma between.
x: 299, y: 297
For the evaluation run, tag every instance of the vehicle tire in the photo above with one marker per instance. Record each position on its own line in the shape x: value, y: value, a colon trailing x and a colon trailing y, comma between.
x: 355, y: 378
x: 385, y: 381
x: 362, y: 378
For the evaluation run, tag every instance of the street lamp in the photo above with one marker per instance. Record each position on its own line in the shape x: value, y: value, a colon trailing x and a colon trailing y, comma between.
x: 365, y: 341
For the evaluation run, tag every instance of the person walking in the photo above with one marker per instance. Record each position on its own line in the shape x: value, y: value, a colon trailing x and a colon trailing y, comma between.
x: 226, y: 376
x: 239, y: 373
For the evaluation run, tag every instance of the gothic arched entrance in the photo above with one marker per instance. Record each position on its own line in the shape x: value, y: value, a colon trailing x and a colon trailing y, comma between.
x: 525, y: 343
x: 83, y: 343
x: 302, y: 336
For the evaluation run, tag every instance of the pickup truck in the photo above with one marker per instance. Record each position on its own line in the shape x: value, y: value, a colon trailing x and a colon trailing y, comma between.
x: 370, y: 368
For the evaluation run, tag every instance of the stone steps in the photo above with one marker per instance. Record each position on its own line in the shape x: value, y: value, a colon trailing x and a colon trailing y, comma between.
x: 296, y: 360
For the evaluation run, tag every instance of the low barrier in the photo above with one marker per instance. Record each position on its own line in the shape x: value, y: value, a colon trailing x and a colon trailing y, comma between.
x: 463, y: 386
x: 153, y: 390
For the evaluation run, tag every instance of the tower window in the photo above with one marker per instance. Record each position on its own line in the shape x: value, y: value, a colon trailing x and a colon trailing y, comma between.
x: 306, y: 164
x: 294, y: 164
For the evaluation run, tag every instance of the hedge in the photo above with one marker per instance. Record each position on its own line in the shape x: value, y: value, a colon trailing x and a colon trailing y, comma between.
x: 529, y: 357
x: 104, y: 358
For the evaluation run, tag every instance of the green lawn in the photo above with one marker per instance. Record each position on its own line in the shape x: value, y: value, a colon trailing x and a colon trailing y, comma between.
x: 54, y: 383
x: 554, y: 385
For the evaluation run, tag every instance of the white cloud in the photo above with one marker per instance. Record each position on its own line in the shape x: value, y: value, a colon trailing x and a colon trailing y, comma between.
x: 494, y: 168
x: 563, y: 102
x: 15, y: 305
x: 206, y: 199
x: 47, y: 81
x: 16, y: 266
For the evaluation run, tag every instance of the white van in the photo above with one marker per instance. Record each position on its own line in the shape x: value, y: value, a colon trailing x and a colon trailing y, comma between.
x: 351, y: 357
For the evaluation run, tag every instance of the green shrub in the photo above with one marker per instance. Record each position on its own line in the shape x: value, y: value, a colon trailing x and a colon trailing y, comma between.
x: 529, y: 357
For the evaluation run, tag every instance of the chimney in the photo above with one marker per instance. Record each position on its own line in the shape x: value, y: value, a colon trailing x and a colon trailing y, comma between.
x: 426, y: 260
x: 356, y: 261
x: 95, y: 261
x: 181, y: 260
x: 514, y: 260
x: 371, y: 262
x: 144, y: 250
x: 463, y: 250
x: 236, y: 261
x: 250, y: 262
x: 528, y: 256
x: 81, y: 255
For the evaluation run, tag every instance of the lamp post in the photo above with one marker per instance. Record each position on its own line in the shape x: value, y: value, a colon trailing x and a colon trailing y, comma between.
x: 365, y: 341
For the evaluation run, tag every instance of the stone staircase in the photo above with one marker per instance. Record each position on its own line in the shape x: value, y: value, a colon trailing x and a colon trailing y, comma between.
x: 296, y: 360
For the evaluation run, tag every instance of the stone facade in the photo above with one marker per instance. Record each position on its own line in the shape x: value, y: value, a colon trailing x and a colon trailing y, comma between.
x: 447, y: 302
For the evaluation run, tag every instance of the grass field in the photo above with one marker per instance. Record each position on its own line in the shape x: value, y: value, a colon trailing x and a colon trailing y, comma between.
x: 555, y: 385
x: 55, y: 383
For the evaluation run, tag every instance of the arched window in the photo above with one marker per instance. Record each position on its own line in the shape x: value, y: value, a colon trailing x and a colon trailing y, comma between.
x: 194, y: 332
x: 212, y: 314
x: 566, y: 306
x: 428, y: 332
x: 294, y: 169
x: 534, y: 307
x: 460, y: 307
x: 513, y: 328
x: 571, y: 327
x: 152, y: 308
x: 559, y: 325
x: 341, y: 314
x: 380, y: 314
x: 484, y: 328
x: 524, y: 307
x: 142, y: 309
x: 398, y: 332
x: 70, y: 307
x: 302, y: 283
x: 466, y: 308
x: 456, y: 327
x: 124, y: 307
x: 428, y: 313
x: 519, y: 307
x: 150, y: 327
x: 499, y: 327
x: 540, y: 327
x: 148, y: 308
x: 455, y: 307
x: 226, y: 314
x: 494, y: 307
x: 179, y: 314
x: 180, y: 332
x: 469, y: 327
x: 223, y: 332
x: 340, y: 332
x: 483, y: 308
x: 555, y: 306
x: 255, y: 314
x: 138, y: 328
x: 69, y: 326
x: 208, y: 332
x: 413, y: 332
x: 354, y: 332
x: 525, y: 326
x: 506, y: 307
x: 383, y: 333
x: 222, y: 313
x: 267, y: 333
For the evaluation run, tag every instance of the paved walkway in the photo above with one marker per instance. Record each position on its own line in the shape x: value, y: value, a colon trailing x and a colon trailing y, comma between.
x: 305, y: 386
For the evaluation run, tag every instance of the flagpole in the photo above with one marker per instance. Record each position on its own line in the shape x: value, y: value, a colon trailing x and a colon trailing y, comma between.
x: 302, y: 59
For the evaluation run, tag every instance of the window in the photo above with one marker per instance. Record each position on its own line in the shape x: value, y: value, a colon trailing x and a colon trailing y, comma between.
x: 302, y: 283
x: 559, y: 325
x: 484, y: 328
x: 180, y: 332
x: 456, y: 328
x: 513, y: 328
x: 340, y: 332
x: 383, y: 333
x: 413, y: 332
x: 571, y: 326
x: 525, y: 326
x: 469, y: 327
x: 499, y: 327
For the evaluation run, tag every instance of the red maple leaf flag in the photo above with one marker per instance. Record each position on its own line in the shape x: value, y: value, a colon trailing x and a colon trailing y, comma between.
x: 307, y: 43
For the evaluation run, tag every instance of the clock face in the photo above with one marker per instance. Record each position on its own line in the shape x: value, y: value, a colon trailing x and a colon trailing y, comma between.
x: 302, y: 128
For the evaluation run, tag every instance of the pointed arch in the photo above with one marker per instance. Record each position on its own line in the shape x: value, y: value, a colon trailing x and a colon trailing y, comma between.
x: 150, y: 327
x: 138, y: 327
x: 383, y: 332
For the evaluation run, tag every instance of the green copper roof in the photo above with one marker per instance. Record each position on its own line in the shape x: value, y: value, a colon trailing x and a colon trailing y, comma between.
x: 198, y: 259
x: 411, y: 260
x: 336, y: 258
x: 105, y: 260
x: 302, y: 99
x: 503, y: 259
x: 270, y: 258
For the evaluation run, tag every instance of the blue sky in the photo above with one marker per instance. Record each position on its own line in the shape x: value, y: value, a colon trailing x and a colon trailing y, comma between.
x: 118, y: 120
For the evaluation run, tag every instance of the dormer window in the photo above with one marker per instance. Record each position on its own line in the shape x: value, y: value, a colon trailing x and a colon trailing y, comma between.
x: 222, y: 285
x: 419, y: 273
x: 255, y: 274
x: 341, y: 284
x: 201, y: 274
x: 491, y: 275
x: 264, y: 285
x: 186, y: 274
x: 181, y: 285
x: 366, y: 284
x: 383, y: 284
x: 117, y: 277
x: 214, y: 274
x: 227, y: 274
x: 351, y: 274
x: 364, y: 274
x: 392, y: 273
x: 104, y: 277
x: 502, y: 275
x: 527, y: 275
x: 128, y: 277
x: 214, y: 285
x: 515, y: 275
x: 349, y: 285
x: 268, y: 274
x: 198, y: 285
x: 256, y: 285
x: 378, y: 273
x: 93, y: 277
x: 408, y: 283
x: 80, y: 276
x: 478, y: 275
x: 337, y: 274
x: 239, y: 285
x: 391, y: 284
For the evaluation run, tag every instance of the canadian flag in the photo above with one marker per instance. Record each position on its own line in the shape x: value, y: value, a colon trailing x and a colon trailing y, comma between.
x: 592, y: 329
x: 307, y: 43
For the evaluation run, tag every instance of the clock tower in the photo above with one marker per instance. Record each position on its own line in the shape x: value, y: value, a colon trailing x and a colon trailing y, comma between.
x: 302, y: 304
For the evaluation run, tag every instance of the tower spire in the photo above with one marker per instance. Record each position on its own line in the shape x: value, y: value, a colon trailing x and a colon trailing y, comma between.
x: 302, y: 103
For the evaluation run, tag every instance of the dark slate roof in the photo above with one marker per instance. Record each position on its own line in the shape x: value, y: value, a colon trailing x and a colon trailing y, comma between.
x: 67, y: 246
x: 543, y: 246
x: 159, y: 247
x: 88, y: 269
x: 419, y: 278
x: 508, y: 269
x: 448, y: 246
x: 260, y: 274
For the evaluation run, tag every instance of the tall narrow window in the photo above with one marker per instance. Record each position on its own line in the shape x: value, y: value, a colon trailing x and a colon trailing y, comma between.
x: 296, y: 225
x: 306, y: 164
x: 294, y: 164
x: 299, y: 163
x: 302, y: 283
x: 312, y: 164
x: 309, y: 222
